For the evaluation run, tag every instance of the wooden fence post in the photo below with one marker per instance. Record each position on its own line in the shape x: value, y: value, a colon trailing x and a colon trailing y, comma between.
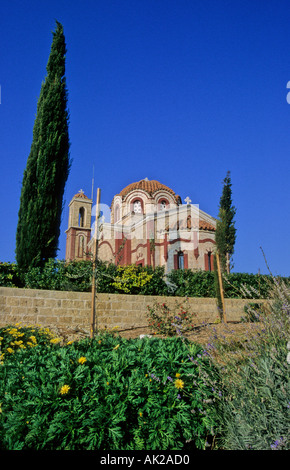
x: 95, y: 255
x: 221, y: 287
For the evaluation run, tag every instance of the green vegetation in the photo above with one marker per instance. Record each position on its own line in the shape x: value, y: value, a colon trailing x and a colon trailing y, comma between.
x: 254, y: 379
x: 47, y: 166
x: 110, y: 393
x: 77, y: 276
x: 170, y: 321
x: 225, y: 228
x: 106, y: 393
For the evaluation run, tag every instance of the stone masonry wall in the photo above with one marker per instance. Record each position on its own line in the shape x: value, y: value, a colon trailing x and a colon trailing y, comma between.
x: 58, y: 309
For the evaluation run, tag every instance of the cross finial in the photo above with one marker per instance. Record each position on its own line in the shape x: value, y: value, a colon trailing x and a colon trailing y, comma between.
x: 81, y: 191
x: 187, y: 200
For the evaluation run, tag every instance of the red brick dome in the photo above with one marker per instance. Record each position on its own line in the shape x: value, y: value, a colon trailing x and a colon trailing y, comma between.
x: 81, y: 194
x: 150, y: 187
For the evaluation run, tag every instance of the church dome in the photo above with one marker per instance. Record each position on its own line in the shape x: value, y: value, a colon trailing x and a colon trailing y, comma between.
x: 150, y: 187
x: 81, y: 194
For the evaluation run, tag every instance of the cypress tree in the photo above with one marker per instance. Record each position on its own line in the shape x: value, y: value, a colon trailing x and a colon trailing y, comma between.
x: 48, y: 166
x: 225, y: 228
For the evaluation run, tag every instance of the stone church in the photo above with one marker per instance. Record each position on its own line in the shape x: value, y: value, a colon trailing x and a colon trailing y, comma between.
x: 149, y: 225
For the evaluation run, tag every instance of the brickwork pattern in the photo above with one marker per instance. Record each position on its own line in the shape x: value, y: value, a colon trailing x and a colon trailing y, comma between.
x: 59, y: 309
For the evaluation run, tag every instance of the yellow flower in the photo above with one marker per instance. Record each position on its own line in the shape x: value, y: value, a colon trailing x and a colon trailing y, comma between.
x: 69, y: 342
x: 82, y: 360
x: 116, y: 347
x: 33, y: 339
x: 55, y: 340
x: 64, y: 389
x: 108, y: 383
x: 179, y: 383
x: 140, y: 414
x: 10, y: 350
x: 177, y: 375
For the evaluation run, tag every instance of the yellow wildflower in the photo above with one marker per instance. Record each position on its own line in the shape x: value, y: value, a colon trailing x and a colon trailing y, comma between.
x: 10, y: 350
x: 108, y: 383
x: 140, y: 414
x: 82, y: 360
x: 179, y: 383
x: 177, y: 375
x: 33, y: 339
x: 64, y: 389
x: 116, y: 347
x: 55, y: 340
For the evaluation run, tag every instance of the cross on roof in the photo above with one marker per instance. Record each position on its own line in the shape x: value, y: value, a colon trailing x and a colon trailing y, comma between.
x: 187, y: 200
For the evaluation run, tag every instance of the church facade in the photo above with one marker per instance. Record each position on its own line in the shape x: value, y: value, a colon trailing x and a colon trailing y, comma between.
x: 148, y: 225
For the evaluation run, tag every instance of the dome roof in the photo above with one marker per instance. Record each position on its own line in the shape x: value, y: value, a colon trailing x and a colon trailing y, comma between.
x: 150, y: 187
x: 81, y: 194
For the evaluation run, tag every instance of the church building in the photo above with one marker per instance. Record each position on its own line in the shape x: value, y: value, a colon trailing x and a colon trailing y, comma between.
x: 149, y: 225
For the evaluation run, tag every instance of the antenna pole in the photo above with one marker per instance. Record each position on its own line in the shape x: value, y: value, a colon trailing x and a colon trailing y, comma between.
x: 93, y: 182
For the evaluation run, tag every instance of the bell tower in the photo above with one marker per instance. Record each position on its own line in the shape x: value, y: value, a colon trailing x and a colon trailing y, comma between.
x: 78, y: 233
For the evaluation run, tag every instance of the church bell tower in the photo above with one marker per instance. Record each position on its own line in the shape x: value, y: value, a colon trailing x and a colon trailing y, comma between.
x: 78, y: 233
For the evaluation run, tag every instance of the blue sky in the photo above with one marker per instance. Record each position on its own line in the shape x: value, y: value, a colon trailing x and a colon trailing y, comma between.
x: 175, y: 90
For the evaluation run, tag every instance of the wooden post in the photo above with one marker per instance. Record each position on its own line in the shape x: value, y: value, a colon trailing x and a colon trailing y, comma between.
x: 221, y: 287
x: 95, y: 255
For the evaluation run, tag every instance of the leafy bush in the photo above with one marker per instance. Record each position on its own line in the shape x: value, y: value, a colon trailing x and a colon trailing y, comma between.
x: 256, y: 412
x: 253, y: 310
x: 16, y: 337
x: 146, y: 280
x: 130, y: 279
x: 168, y: 321
x: 190, y: 283
x: 59, y: 275
x: 254, y: 409
x: 107, y: 393
x: 9, y: 275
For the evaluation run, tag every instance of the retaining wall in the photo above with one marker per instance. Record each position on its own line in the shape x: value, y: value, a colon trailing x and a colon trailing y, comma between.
x: 61, y: 309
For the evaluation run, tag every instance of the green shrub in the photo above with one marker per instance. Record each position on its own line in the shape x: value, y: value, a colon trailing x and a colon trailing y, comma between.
x: 256, y: 413
x: 253, y: 311
x: 170, y: 321
x: 59, y: 275
x: 16, y: 337
x: 107, y: 393
x: 77, y: 276
x: 254, y: 409
x: 9, y: 275
x: 190, y: 283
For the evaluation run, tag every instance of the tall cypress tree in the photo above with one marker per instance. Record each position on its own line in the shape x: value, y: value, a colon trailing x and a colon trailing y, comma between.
x: 225, y: 228
x: 48, y: 166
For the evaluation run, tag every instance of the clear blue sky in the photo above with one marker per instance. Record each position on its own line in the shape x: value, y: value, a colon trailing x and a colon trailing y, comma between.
x: 175, y: 90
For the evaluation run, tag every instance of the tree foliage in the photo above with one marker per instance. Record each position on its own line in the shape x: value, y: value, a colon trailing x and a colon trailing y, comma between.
x: 47, y: 166
x: 225, y: 228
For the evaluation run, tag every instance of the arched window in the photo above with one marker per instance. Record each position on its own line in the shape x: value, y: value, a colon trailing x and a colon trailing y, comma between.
x: 137, y: 207
x: 81, y: 246
x: 209, y: 260
x: 81, y: 217
x: 180, y: 260
x: 117, y: 214
x: 163, y: 205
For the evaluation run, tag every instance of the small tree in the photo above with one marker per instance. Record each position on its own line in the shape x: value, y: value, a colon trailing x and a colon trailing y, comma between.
x: 47, y: 166
x: 225, y: 228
